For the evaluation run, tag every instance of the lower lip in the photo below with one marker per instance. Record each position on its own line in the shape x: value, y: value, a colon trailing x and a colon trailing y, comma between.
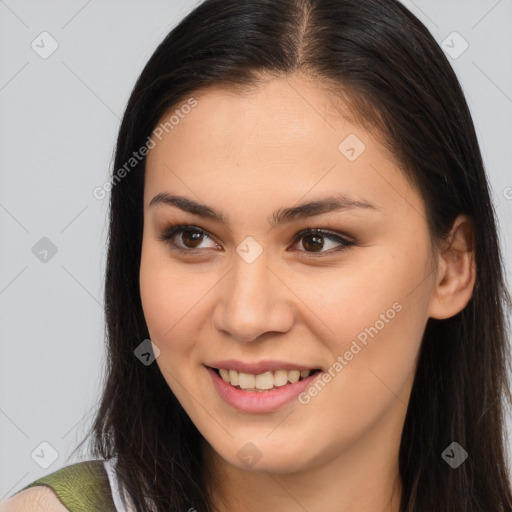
x: 255, y: 401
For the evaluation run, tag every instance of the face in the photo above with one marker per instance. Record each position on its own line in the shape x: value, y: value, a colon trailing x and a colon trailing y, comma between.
x: 248, y: 289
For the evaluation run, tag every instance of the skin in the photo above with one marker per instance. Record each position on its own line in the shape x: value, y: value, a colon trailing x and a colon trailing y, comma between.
x: 248, y: 155
x: 35, y: 499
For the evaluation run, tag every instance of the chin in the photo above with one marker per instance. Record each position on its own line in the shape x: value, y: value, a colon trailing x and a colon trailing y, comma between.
x: 265, y: 457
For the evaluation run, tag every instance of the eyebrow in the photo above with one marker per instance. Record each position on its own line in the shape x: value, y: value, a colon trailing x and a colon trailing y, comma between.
x: 280, y: 216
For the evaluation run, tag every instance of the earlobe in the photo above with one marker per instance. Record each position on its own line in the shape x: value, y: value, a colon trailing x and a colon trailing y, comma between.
x: 456, y: 271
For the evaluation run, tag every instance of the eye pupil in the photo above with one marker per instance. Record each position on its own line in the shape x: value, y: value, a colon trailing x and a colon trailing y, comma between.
x: 195, y: 237
x: 317, y: 244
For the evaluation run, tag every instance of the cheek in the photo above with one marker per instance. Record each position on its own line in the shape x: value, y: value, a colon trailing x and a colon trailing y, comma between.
x: 365, y: 287
x: 171, y: 301
x: 168, y: 306
x: 375, y: 314
x: 159, y: 290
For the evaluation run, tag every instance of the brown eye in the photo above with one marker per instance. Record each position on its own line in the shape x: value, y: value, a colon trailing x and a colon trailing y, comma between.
x: 313, y: 242
x: 316, y: 240
x: 192, y: 238
x: 185, y: 238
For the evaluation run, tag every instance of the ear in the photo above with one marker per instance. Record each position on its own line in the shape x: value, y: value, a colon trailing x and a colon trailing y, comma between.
x: 456, y: 272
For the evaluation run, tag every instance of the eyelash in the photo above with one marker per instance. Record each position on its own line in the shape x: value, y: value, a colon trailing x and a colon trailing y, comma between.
x: 175, y: 229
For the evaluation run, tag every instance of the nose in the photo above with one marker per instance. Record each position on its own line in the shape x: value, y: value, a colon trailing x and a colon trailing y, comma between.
x: 253, y: 301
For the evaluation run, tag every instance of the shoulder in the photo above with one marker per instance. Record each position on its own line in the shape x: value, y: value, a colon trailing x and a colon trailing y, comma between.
x: 34, y: 499
x: 80, y: 486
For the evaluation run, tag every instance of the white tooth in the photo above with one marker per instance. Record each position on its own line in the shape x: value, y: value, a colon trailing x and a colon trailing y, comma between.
x: 293, y: 376
x: 280, y: 378
x: 264, y: 380
x: 246, y: 380
x: 233, y: 377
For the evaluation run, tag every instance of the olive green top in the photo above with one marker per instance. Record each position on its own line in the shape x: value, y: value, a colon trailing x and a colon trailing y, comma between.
x: 80, y: 487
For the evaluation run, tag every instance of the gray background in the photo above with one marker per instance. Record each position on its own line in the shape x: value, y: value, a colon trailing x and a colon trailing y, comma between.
x: 58, y: 124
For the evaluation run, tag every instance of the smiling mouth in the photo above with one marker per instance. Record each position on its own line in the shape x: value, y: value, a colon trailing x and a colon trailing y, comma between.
x: 264, y: 381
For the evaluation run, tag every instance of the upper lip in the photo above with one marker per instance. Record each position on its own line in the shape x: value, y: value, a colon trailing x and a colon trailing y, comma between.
x: 259, y: 367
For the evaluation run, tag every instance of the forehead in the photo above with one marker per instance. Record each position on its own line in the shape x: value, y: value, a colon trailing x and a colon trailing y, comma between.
x: 278, y: 113
x: 286, y: 137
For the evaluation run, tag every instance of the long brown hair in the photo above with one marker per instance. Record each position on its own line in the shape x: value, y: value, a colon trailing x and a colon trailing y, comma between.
x: 385, y: 63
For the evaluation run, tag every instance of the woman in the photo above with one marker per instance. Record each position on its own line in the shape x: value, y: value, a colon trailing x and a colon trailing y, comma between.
x: 305, y: 298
